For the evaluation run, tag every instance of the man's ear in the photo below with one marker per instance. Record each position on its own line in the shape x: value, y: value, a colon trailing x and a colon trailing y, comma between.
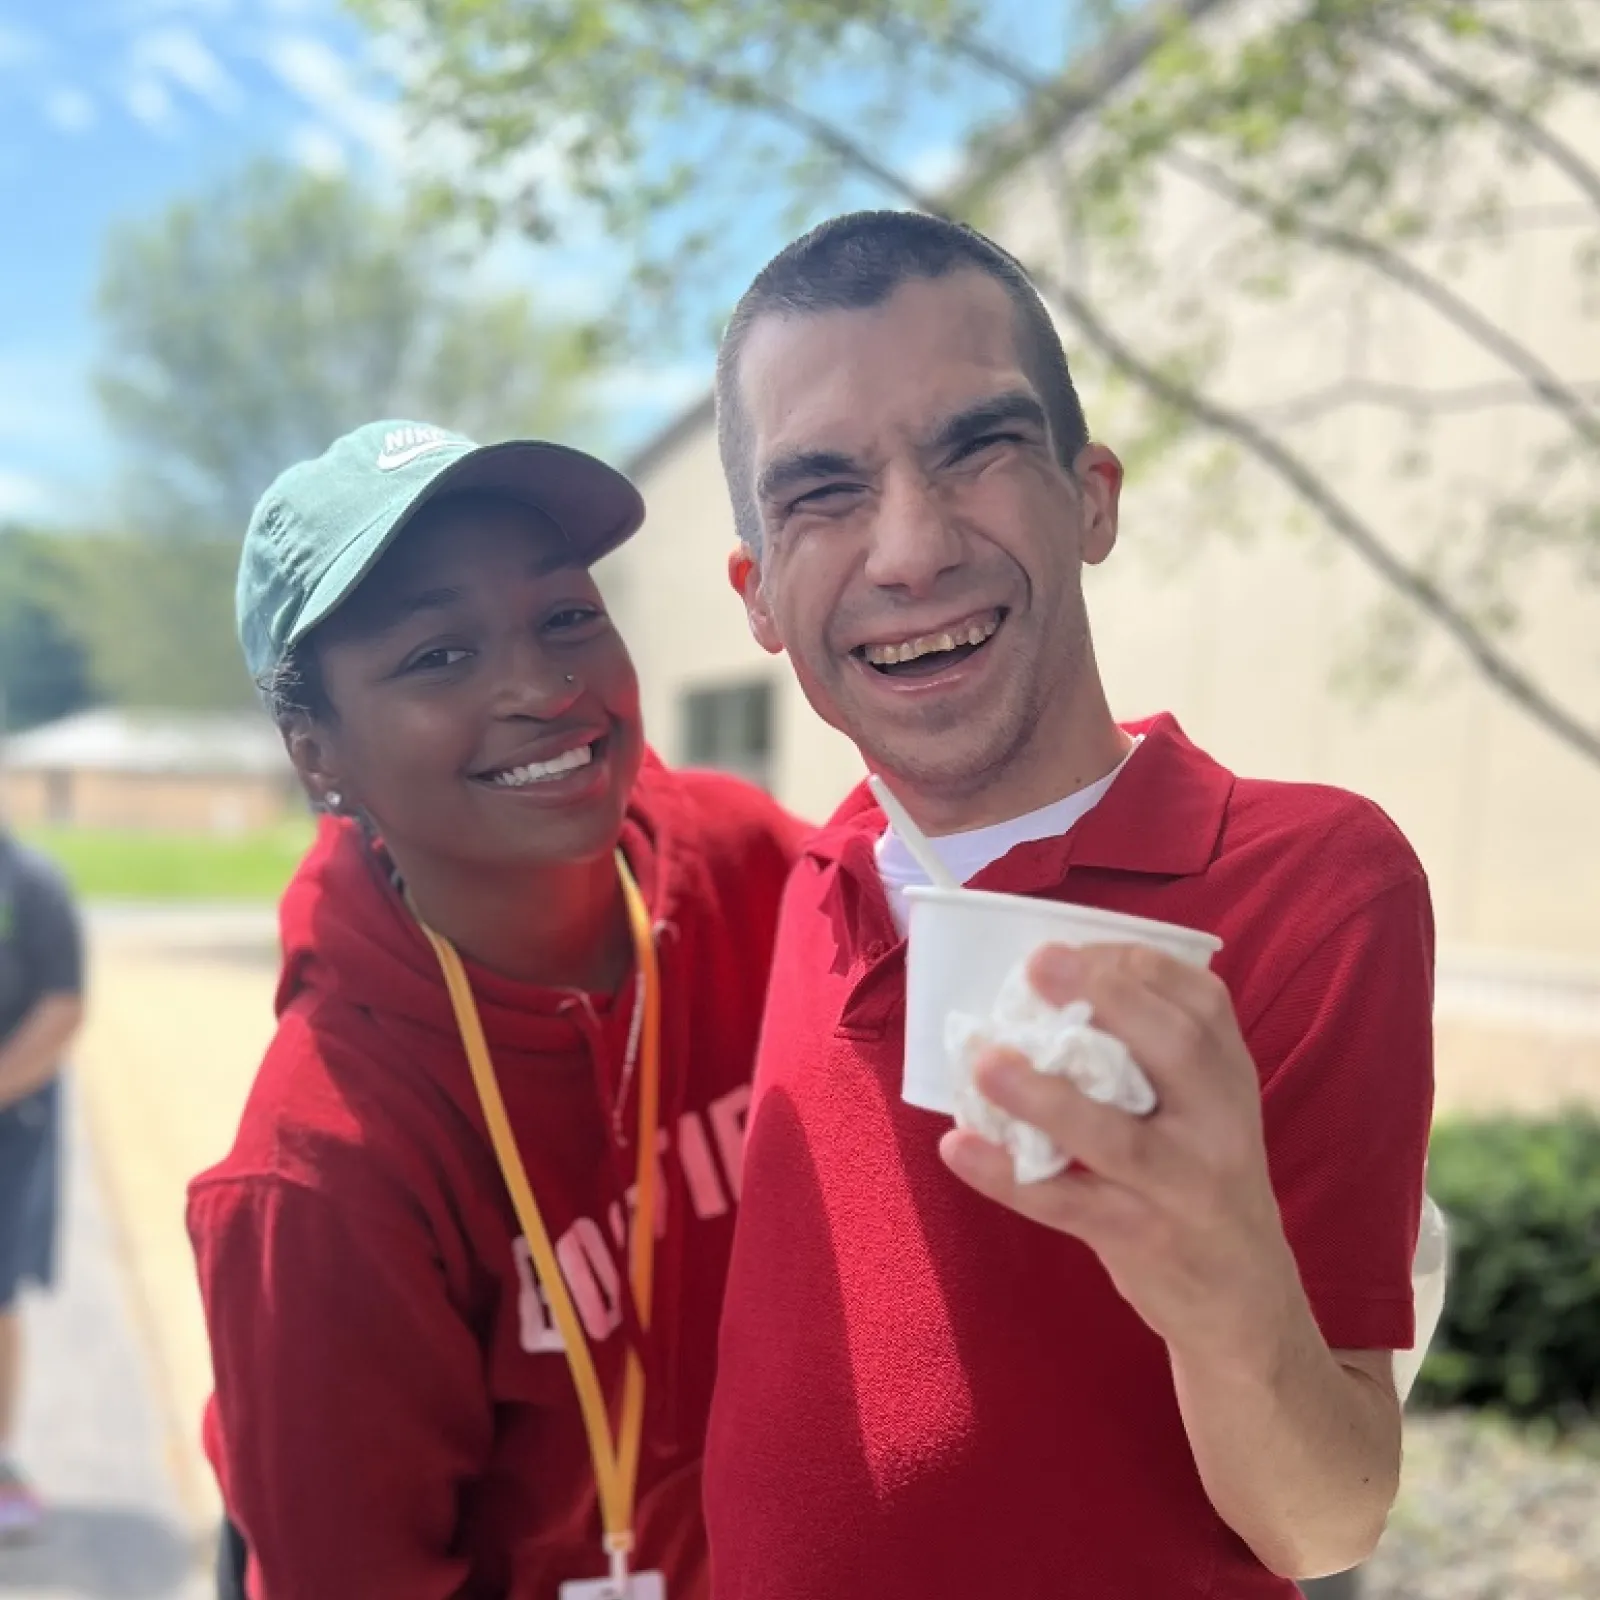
x: 744, y: 573
x: 1099, y: 477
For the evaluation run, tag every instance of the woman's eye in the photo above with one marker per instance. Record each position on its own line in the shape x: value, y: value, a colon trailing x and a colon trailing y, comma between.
x: 439, y: 659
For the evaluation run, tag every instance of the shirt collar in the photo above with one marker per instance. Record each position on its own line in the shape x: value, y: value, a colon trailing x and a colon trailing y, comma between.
x: 1165, y: 813
x: 1163, y: 817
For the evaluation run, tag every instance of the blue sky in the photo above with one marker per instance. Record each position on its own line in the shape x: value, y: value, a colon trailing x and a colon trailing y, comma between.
x: 110, y: 109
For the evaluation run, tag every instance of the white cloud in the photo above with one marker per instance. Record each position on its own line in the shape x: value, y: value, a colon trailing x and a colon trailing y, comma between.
x: 318, y: 150
x: 359, y: 100
x: 330, y: 87
x: 177, y: 58
x: 936, y: 167
x: 44, y: 398
x: 667, y: 387
x: 149, y: 102
x: 571, y: 281
x: 23, y: 495
x: 565, y: 288
x: 70, y: 111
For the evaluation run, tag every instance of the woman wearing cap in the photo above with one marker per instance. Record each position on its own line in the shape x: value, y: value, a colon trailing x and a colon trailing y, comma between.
x: 521, y: 956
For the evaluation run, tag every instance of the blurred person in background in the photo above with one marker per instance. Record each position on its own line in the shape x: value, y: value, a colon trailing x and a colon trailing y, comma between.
x: 41, y: 1008
x: 463, y: 1267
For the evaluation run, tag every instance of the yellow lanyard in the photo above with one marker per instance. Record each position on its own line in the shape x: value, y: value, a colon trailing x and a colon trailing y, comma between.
x: 616, y: 1464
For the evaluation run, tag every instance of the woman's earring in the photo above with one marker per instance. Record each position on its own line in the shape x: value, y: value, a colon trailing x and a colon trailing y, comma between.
x: 572, y: 677
x: 333, y: 800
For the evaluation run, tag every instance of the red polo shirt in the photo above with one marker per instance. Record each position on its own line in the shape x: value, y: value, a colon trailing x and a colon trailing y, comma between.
x: 921, y: 1394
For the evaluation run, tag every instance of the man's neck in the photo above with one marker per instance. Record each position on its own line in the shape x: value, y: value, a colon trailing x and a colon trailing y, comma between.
x: 557, y: 925
x: 1048, y: 772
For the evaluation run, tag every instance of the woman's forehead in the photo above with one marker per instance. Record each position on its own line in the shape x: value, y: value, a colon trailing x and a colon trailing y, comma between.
x: 474, y: 527
x: 450, y: 551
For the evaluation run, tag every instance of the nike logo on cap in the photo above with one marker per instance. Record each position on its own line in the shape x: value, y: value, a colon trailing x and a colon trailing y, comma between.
x: 405, y: 445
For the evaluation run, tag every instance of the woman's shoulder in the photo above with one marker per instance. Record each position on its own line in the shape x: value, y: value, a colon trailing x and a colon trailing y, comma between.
x: 327, y: 1113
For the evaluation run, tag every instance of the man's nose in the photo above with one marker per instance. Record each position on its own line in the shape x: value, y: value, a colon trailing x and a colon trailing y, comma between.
x: 915, y: 540
x: 533, y: 684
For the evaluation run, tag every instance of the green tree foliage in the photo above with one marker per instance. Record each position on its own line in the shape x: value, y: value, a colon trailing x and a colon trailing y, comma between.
x: 244, y: 329
x: 44, y: 669
x: 157, y: 618
x: 1329, y: 132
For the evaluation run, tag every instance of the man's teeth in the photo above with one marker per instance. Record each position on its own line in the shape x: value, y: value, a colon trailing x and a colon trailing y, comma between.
x: 537, y: 771
x: 886, y: 655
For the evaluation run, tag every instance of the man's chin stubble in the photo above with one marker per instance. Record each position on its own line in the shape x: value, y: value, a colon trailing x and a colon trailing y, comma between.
x: 959, y: 777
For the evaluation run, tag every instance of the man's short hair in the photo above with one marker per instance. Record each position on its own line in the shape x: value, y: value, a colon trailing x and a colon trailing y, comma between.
x: 857, y: 261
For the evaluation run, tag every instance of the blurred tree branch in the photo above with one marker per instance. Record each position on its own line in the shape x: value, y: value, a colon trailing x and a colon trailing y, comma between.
x: 1323, y: 129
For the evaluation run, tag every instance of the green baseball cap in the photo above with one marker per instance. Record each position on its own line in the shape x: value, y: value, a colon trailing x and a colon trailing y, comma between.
x: 319, y: 530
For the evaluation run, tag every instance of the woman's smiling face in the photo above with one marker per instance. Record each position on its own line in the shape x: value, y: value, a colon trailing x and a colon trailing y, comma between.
x: 480, y: 707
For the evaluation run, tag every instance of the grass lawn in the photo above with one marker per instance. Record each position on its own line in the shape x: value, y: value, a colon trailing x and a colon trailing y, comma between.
x: 114, y: 865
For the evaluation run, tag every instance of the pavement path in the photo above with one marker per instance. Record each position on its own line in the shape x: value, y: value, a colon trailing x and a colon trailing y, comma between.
x: 180, y: 1013
x: 93, y: 1432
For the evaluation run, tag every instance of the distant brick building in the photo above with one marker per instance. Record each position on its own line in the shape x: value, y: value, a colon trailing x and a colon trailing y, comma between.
x: 160, y: 771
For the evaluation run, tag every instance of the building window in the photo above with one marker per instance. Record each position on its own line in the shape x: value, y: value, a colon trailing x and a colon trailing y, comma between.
x: 730, y: 727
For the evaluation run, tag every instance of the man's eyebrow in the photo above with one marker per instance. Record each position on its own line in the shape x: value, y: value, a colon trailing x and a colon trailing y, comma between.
x: 976, y: 420
x: 802, y: 466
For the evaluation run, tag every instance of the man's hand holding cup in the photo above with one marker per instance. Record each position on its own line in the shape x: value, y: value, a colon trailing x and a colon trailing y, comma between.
x: 1178, y: 1205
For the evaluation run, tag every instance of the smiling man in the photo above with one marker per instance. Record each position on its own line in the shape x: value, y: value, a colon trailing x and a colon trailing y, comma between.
x: 1181, y: 1384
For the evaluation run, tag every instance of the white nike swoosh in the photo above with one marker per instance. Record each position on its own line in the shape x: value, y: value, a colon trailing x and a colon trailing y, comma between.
x: 391, y: 460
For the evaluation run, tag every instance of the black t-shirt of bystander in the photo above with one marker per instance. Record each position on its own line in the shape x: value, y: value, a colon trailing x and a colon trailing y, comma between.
x: 41, y: 954
x: 41, y: 940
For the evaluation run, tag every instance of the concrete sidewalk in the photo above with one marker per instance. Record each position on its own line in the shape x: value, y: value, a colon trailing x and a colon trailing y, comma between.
x: 94, y: 1434
x: 180, y: 1013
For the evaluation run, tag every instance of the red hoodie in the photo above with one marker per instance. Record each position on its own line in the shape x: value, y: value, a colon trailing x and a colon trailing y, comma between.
x: 394, y: 1416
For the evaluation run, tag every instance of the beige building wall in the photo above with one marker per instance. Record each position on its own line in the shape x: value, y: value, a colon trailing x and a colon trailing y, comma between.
x: 146, y: 801
x: 668, y: 589
x: 1242, y: 615
x: 1247, y: 633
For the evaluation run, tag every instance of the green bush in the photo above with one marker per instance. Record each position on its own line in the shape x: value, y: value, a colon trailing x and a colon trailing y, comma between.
x: 1521, y: 1325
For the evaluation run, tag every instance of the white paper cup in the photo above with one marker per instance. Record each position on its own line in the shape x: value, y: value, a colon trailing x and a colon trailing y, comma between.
x: 965, y: 942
